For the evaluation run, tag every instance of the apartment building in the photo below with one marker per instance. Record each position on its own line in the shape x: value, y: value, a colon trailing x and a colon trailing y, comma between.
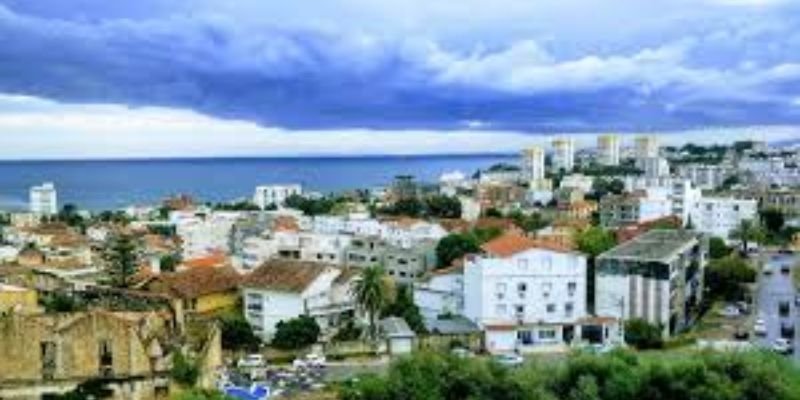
x: 657, y: 276
x: 634, y: 208
x: 563, y: 154
x: 268, y: 195
x: 43, y: 199
x: 718, y: 216
x: 608, y: 150
x: 402, y: 264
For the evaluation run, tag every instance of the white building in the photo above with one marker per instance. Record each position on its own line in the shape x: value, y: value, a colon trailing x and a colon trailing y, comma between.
x: 653, y: 167
x: 563, y: 154
x: 267, y: 195
x: 705, y: 176
x: 608, y: 150
x: 451, y: 182
x: 294, y: 245
x: 523, y: 296
x: 720, y: 216
x: 43, y: 199
x: 441, y: 292
x: 634, y: 208
x: 577, y: 181
x: 282, y: 290
x: 646, y: 146
x: 203, y: 234
x: 470, y: 208
x: 657, y: 276
x: 533, y: 164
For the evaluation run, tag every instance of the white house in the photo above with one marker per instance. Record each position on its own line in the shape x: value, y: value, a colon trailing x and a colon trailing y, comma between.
x: 524, y: 295
x: 295, y: 245
x: 581, y: 182
x: 281, y: 290
x: 717, y: 216
x: 266, y: 195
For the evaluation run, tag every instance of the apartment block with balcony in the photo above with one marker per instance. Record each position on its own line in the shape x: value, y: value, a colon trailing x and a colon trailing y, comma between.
x: 657, y: 276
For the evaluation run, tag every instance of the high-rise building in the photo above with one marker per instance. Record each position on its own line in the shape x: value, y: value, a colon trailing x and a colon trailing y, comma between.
x: 647, y: 146
x: 563, y: 154
x: 608, y: 150
x: 533, y: 164
x: 43, y: 199
x: 275, y: 195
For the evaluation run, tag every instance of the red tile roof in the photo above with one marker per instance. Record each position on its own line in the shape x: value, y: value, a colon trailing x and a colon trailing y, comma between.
x: 509, y: 244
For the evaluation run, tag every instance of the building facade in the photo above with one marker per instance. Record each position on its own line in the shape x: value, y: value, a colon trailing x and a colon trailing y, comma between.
x: 657, y: 276
x: 43, y: 199
x: 533, y: 164
x: 608, y: 152
x: 563, y: 154
x: 268, y: 195
x: 717, y: 216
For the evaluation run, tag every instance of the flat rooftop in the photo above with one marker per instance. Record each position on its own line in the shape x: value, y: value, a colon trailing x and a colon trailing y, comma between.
x: 655, y: 245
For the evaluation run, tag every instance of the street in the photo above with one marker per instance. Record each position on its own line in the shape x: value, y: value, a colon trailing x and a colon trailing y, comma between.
x: 773, y: 289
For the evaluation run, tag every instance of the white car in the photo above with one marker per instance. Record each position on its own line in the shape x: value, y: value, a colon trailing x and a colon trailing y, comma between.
x: 760, y: 327
x: 509, y: 360
x: 252, y: 361
x: 782, y: 346
x: 460, y: 352
x: 310, y: 361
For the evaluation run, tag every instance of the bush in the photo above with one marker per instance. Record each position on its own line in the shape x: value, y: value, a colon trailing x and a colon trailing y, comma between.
x: 726, y: 278
x: 643, y: 335
x: 618, y: 375
x: 184, y: 371
x: 296, y: 333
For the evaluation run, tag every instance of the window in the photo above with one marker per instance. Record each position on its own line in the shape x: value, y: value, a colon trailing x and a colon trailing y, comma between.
x: 551, y: 308
x: 571, y: 288
x: 546, y: 288
x: 568, y: 308
x: 500, y: 310
x: 525, y: 337
x: 522, y: 290
x: 547, y: 334
x: 519, y: 310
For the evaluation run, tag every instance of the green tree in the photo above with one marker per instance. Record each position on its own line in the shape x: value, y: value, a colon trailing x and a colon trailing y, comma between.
x: 169, y: 262
x: 61, y: 303
x: 404, y: 307
x: 594, y: 241
x: 410, y: 207
x: 184, y: 370
x: 372, y: 292
x: 440, y: 206
x: 121, y: 260
x: 748, y: 232
x: 725, y: 278
x: 643, y: 335
x: 296, y: 333
x: 529, y: 223
x: 455, y: 246
x: 717, y: 248
x: 492, y: 212
x: 773, y: 221
x: 69, y: 215
x: 237, y: 334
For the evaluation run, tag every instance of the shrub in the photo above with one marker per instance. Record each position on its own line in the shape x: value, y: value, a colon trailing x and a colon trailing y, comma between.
x: 296, y: 333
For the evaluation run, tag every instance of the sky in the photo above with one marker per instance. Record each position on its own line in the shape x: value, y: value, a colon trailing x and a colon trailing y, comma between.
x: 153, y: 78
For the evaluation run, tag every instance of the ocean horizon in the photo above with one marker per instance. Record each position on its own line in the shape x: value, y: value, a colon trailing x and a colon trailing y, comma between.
x: 99, y: 184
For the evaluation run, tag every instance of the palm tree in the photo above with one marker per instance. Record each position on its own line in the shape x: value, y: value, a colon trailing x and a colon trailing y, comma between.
x: 747, y: 232
x: 372, y: 292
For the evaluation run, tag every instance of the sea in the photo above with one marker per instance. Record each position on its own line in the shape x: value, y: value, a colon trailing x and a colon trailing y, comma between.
x: 113, y: 184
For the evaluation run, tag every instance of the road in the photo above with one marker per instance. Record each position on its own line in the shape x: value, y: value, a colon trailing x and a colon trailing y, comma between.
x: 773, y: 289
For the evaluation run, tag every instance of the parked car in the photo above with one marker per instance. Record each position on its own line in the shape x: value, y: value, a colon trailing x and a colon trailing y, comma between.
x: 730, y: 311
x: 252, y: 361
x: 785, y: 269
x: 741, y: 334
x: 767, y: 271
x: 787, y: 330
x: 743, y: 306
x: 310, y: 361
x: 782, y: 346
x: 783, y: 308
x: 760, y: 327
x: 797, y: 300
x: 509, y: 360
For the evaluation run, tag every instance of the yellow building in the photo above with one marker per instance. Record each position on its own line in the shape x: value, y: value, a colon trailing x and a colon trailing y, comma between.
x: 199, y: 290
x: 18, y: 299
